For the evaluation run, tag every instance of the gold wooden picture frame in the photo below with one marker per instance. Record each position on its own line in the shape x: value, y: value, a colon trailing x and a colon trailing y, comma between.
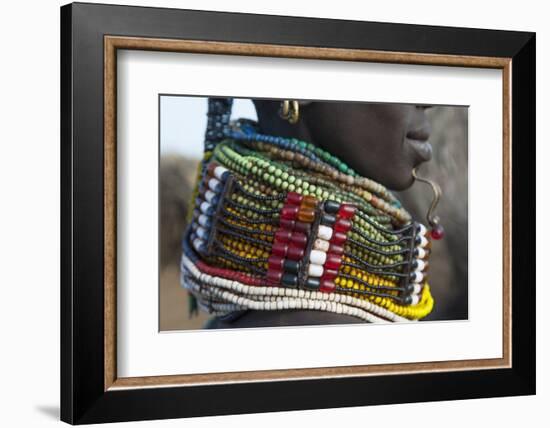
x: 114, y: 43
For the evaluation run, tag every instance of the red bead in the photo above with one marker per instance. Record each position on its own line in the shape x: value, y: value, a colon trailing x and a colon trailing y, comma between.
x: 274, y: 276
x: 329, y: 274
x: 333, y: 261
x: 211, y: 167
x: 293, y: 198
x: 286, y: 224
x: 279, y: 249
x: 335, y: 249
x: 342, y: 225
x: 275, y: 263
x: 289, y: 212
x: 283, y: 235
x: 302, y: 227
x: 437, y: 232
x: 299, y: 239
x: 295, y: 253
x: 347, y: 211
x: 338, y: 238
x: 327, y: 286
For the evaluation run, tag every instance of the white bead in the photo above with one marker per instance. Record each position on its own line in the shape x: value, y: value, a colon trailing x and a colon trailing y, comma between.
x: 209, y: 195
x: 421, y: 252
x: 201, y: 233
x: 423, y: 242
x: 204, y: 207
x: 324, y: 232
x: 417, y: 288
x: 321, y: 245
x: 317, y: 257
x: 422, y: 229
x: 418, y: 277
x: 314, y: 270
x: 197, y: 243
x: 213, y: 184
x: 420, y: 265
x: 415, y: 300
x: 203, y: 220
x: 218, y: 172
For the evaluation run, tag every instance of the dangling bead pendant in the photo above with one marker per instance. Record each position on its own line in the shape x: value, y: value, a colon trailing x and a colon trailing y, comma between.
x: 437, y: 232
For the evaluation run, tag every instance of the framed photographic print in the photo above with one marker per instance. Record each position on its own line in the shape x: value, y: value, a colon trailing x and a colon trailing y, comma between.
x: 265, y: 213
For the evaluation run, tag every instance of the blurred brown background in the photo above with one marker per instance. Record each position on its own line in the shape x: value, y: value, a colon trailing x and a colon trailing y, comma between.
x: 448, y: 263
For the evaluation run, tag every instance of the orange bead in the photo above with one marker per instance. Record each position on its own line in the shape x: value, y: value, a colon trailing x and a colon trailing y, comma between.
x: 309, y: 201
x: 307, y: 215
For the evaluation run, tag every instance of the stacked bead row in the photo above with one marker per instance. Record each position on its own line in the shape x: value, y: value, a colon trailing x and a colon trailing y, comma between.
x: 270, y: 295
x: 191, y: 265
x: 209, y: 196
x: 290, y: 239
x: 328, y: 248
x: 419, y: 266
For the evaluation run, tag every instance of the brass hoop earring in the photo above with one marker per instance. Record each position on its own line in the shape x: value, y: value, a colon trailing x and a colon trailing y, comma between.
x: 290, y: 110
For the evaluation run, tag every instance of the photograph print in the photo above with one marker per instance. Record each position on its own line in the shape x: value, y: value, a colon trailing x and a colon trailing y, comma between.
x: 285, y: 212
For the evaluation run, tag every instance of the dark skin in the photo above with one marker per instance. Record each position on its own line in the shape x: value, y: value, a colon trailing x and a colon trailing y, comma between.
x: 383, y: 142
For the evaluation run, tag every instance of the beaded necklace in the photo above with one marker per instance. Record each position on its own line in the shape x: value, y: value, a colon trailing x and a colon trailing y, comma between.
x: 279, y: 223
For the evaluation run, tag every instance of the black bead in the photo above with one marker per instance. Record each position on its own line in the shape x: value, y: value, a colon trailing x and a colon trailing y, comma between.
x: 290, y: 280
x: 408, y: 300
x: 331, y: 207
x: 328, y: 219
x: 409, y: 288
x: 291, y: 266
x: 312, y: 283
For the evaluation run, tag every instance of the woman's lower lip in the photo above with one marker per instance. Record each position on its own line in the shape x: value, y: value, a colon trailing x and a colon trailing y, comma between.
x: 423, y: 149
